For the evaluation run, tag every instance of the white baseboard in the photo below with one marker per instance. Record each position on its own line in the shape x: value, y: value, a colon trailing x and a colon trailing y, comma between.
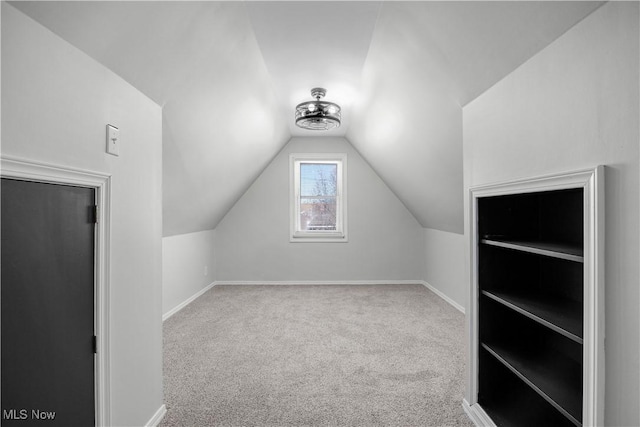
x: 444, y: 297
x: 344, y: 282
x: 157, y: 417
x: 186, y: 302
x: 310, y: 282
x: 319, y: 282
x: 477, y: 415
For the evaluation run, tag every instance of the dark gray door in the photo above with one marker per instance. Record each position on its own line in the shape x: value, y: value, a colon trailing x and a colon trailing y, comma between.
x: 47, y: 304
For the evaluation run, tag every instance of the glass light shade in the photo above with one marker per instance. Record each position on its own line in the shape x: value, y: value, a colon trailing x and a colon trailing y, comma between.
x: 318, y: 115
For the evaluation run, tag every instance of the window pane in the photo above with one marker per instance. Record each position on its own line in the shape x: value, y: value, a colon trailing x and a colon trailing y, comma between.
x: 318, y: 179
x: 318, y: 213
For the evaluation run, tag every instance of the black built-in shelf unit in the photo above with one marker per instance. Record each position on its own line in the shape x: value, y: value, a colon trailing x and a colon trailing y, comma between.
x: 530, y: 307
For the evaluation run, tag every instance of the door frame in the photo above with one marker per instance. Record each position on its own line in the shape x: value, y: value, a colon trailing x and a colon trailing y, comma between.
x: 36, y: 171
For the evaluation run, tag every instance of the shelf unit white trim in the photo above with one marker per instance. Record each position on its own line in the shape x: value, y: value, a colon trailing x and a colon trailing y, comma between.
x: 29, y: 170
x: 477, y: 415
x: 592, y: 183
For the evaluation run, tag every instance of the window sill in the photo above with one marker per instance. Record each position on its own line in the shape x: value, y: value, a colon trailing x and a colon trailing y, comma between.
x: 318, y: 237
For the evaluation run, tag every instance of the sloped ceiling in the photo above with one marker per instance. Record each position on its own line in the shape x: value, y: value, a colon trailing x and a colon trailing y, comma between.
x: 228, y: 75
x: 318, y: 44
x: 425, y: 62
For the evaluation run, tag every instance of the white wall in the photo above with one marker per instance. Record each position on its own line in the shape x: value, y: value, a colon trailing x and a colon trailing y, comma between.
x: 416, y: 144
x: 56, y: 102
x: 575, y: 105
x: 385, y: 240
x: 206, y: 112
x: 188, y: 266
x: 444, y: 264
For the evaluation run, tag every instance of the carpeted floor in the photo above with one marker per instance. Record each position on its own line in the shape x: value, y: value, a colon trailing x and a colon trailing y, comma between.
x: 380, y: 355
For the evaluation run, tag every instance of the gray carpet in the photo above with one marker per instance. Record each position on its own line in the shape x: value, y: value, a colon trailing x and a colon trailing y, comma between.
x: 380, y: 355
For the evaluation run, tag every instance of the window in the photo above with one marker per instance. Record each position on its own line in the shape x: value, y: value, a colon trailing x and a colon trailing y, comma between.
x: 318, y: 197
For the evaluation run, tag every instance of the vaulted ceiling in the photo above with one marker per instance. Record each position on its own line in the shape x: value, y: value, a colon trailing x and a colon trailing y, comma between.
x: 228, y: 75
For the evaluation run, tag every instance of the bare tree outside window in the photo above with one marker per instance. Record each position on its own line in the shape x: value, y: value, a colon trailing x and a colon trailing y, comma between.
x: 318, y: 196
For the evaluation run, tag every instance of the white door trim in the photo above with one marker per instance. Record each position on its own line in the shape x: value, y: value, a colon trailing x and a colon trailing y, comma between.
x: 28, y: 170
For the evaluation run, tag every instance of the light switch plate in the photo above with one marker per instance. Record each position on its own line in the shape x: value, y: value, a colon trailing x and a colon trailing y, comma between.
x: 113, y: 140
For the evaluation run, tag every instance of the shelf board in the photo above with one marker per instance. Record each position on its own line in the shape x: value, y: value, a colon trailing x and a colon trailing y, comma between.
x: 561, y: 315
x: 517, y: 410
x: 551, y: 249
x: 549, y: 375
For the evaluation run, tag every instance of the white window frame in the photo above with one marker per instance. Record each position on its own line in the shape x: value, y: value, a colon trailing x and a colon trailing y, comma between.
x: 339, y: 235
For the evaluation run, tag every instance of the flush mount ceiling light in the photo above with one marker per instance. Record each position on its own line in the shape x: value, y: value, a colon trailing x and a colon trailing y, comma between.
x: 318, y: 115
